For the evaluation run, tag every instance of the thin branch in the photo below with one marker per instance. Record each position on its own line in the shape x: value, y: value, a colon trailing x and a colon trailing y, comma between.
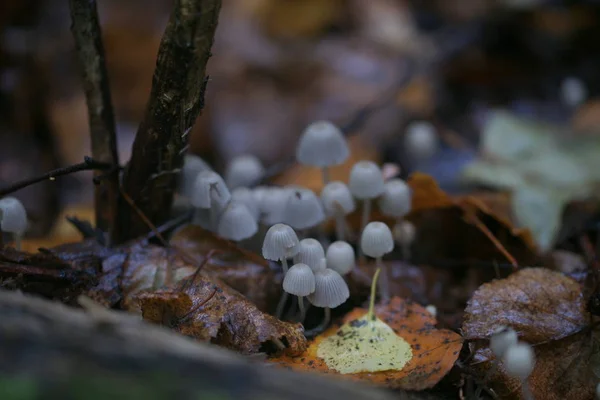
x: 176, y: 100
x: 88, y: 164
x: 88, y: 42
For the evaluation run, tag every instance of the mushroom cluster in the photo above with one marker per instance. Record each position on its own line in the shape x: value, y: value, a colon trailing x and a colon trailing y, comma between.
x: 236, y: 209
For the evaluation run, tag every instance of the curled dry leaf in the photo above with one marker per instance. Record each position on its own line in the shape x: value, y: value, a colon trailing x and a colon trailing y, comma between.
x: 158, y: 283
x: 540, y: 304
x: 434, y: 351
x: 244, y: 271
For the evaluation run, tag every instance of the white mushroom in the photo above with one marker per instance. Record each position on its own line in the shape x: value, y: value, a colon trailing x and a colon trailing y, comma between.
x: 13, y: 219
x: 421, y: 140
x: 404, y: 234
x: 192, y: 166
x: 236, y: 222
x: 338, y: 202
x: 340, y: 257
x: 300, y: 282
x: 330, y: 291
x: 210, y: 192
x: 322, y: 145
x: 246, y: 197
x: 303, y: 209
x: 243, y: 171
x: 272, y: 204
x: 573, y: 92
x: 366, y: 183
x: 519, y: 360
x: 376, y: 241
x: 310, y: 252
x: 395, y: 201
x: 502, y: 338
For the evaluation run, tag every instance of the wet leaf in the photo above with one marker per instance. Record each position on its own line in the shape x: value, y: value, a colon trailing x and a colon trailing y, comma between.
x: 242, y: 270
x: 540, y: 304
x: 434, y: 351
x: 157, y: 283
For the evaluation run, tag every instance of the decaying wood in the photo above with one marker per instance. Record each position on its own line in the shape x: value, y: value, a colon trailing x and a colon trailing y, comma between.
x: 176, y: 100
x: 88, y: 41
x: 51, y: 351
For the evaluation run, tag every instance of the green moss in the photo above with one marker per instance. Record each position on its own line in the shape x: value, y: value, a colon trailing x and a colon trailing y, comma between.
x: 18, y: 388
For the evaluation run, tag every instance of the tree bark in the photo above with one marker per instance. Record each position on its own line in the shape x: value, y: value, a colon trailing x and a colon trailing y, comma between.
x: 176, y: 100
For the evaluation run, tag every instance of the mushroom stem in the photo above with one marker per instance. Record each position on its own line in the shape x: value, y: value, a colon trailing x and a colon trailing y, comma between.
x: 325, y: 172
x: 371, y: 313
x: 340, y: 230
x: 326, y: 318
x: 384, y: 289
x: 366, y: 212
x: 281, y: 305
x: 18, y: 241
x: 214, y: 218
x: 406, y: 252
x: 302, y: 308
x: 278, y: 343
x: 284, y: 265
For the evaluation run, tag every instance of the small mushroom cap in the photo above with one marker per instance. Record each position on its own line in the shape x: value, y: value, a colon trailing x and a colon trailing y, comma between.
x: 404, y: 232
x: 336, y: 197
x: 246, y: 197
x: 299, y: 280
x: 421, y: 140
x: 310, y: 252
x: 322, y: 264
x: 502, y: 338
x: 280, y: 242
x: 13, y: 217
x: 366, y: 180
x: 322, y: 144
x: 396, y: 198
x: 376, y: 239
x: 243, y: 171
x: 330, y: 289
x: 236, y: 222
x: 340, y: 257
x: 303, y: 209
x: 210, y: 190
x: 519, y: 360
x: 572, y: 91
x: 272, y: 205
x: 192, y: 166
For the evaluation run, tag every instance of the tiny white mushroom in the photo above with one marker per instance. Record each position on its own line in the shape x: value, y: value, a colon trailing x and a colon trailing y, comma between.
x: 192, y: 166
x: 395, y: 200
x: 246, y: 197
x: 303, y: 209
x: 338, y: 202
x: 281, y: 243
x: 431, y: 309
x: 376, y: 241
x: 322, y: 145
x: 272, y: 205
x: 404, y: 234
x: 502, y: 339
x: 210, y: 192
x: 243, y: 171
x: 310, y: 252
x: 421, y: 140
x: 330, y: 291
x: 519, y: 360
x: 237, y: 222
x: 300, y: 282
x: 340, y: 257
x: 13, y: 218
x: 366, y: 183
x: 572, y: 92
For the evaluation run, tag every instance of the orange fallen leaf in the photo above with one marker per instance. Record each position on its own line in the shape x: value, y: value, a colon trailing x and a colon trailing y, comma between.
x: 434, y: 351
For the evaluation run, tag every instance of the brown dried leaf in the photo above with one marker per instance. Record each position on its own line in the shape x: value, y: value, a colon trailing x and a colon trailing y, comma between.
x: 540, y: 304
x: 242, y: 270
x: 157, y: 282
x: 434, y: 350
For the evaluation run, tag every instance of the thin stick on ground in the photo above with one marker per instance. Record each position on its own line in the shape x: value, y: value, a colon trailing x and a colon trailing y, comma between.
x: 90, y: 50
x: 176, y: 99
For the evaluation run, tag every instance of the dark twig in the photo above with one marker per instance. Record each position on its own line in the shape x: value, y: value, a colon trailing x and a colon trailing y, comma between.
x: 87, y: 165
x: 176, y: 100
x: 88, y: 42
